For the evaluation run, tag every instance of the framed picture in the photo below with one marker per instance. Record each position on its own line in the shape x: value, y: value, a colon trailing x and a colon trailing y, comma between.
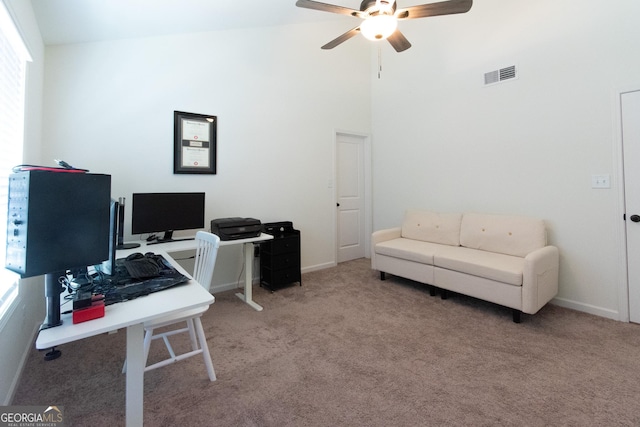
x: 194, y: 149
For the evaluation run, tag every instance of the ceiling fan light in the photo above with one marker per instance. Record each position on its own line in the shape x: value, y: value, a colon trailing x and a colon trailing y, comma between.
x: 378, y: 27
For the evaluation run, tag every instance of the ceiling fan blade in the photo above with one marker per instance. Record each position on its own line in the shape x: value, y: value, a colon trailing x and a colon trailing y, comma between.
x: 399, y: 41
x: 343, y: 38
x: 434, y: 9
x: 316, y: 5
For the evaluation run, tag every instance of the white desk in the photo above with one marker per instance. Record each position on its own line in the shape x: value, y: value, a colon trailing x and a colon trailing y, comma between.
x: 131, y: 315
x: 184, y: 245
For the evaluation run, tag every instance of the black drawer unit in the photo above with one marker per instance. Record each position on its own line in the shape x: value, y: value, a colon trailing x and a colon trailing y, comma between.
x: 280, y: 257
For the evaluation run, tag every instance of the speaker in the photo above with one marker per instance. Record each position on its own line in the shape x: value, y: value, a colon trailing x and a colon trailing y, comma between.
x: 57, y: 221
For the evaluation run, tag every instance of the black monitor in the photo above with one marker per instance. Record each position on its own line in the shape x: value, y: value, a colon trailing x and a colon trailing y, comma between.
x: 166, y: 213
x: 109, y: 266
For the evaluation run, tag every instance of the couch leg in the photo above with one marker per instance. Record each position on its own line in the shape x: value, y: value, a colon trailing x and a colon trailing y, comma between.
x: 383, y: 276
x: 432, y: 291
x: 517, y: 318
x: 443, y: 294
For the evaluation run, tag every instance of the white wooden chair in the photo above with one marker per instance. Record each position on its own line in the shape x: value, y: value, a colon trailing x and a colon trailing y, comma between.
x: 206, y: 253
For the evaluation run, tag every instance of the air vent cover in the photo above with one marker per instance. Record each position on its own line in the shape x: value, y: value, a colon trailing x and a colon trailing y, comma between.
x: 501, y: 75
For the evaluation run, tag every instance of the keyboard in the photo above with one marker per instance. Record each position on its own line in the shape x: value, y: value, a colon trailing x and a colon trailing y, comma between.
x: 123, y: 286
x: 142, y: 268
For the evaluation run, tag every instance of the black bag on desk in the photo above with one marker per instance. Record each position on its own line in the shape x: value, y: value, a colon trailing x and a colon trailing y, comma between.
x: 236, y: 228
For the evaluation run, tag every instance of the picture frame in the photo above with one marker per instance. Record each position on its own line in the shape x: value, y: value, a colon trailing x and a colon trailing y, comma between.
x: 195, y: 143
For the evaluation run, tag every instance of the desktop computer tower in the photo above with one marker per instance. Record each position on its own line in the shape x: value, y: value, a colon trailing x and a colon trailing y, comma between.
x: 57, y: 221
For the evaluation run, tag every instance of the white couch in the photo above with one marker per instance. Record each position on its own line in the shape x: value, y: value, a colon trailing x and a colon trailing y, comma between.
x: 498, y: 258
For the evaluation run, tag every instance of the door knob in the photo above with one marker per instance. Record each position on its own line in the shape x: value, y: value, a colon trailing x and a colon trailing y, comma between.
x: 635, y: 218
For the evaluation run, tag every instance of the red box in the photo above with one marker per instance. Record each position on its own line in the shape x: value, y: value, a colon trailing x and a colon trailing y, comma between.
x: 94, y: 312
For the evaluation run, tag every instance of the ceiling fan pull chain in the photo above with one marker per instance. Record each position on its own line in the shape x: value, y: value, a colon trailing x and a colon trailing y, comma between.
x: 379, y: 62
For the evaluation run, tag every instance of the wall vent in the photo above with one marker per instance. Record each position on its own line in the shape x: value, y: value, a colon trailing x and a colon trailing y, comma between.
x: 501, y: 75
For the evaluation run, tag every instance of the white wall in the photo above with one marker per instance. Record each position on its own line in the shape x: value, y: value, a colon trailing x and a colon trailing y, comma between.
x: 18, y: 328
x: 109, y: 107
x: 442, y: 141
x: 278, y: 97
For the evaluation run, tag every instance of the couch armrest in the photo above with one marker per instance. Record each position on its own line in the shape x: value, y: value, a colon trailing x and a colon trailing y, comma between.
x: 382, y: 236
x: 540, y: 278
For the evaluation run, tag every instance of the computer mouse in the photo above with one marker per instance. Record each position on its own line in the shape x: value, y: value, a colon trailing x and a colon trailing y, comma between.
x: 136, y: 255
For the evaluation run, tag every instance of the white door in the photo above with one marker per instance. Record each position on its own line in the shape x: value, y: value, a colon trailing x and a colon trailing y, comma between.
x: 630, y: 107
x: 350, y: 196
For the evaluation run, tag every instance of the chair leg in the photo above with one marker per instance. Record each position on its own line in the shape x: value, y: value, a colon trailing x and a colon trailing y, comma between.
x: 192, y: 334
x: 205, y: 349
x: 148, y: 337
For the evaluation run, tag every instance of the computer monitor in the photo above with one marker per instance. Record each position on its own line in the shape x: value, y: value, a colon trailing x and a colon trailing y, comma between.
x: 109, y: 266
x: 166, y: 213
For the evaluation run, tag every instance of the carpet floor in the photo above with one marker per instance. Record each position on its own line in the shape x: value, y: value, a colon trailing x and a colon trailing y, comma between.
x: 346, y: 349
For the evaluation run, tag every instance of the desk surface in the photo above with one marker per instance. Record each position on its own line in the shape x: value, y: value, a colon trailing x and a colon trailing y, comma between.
x: 121, y: 315
x: 183, y: 245
x: 159, y: 304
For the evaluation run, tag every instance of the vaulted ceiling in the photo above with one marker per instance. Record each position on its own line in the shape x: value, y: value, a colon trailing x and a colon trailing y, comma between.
x: 78, y: 21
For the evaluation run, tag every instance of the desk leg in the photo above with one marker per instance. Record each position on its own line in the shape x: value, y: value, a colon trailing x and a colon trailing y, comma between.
x: 248, y: 278
x: 135, y: 375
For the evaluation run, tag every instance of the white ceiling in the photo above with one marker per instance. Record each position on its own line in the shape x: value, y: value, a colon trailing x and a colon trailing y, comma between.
x: 77, y: 21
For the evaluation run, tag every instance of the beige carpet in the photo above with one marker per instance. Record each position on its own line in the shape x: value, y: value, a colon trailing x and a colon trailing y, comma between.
x: 347, y: 349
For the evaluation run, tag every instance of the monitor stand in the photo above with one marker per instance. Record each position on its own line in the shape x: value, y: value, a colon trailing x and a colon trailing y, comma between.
x: 168, y: 237
x: 52, y: 291
x: 128, y: 246
x: 120, y: 227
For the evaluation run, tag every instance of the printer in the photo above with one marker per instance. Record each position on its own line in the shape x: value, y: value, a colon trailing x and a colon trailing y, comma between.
x: 236, y: 228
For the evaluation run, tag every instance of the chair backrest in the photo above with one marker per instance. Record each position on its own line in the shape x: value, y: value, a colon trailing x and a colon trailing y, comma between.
x: 206, y: 254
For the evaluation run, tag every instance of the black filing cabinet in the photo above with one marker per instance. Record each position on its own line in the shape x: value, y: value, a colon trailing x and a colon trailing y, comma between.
x: 280, y: 257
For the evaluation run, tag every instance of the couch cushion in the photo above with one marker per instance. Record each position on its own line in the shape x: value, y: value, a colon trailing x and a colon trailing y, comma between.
x: 409, y: 249
x: 506, y: 234
x: 490, y: 265
x: 433, y: 227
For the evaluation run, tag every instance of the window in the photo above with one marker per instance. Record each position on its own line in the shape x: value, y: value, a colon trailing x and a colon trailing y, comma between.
x: 13, y: 57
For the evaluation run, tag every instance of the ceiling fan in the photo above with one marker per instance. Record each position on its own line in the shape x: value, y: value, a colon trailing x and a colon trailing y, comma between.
x: 380, y: 18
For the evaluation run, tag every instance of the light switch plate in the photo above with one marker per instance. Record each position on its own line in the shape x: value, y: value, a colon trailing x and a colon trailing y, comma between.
x: 601, y: 181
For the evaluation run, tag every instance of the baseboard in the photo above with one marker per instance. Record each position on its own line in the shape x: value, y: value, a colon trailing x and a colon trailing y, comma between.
x: 20, y: 368
x: 587, y: 308
x: 222, y: 287
x: 319, y: 267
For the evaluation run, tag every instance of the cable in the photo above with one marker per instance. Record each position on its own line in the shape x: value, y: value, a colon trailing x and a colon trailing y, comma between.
x: 63, y: 167
x: 23, y: 168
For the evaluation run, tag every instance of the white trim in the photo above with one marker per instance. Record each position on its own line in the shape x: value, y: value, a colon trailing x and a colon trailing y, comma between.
x: 586, y: 308
x: 23, y: 361
x: 11, y: 308
x: 256, y: 279
x: 319, y: 267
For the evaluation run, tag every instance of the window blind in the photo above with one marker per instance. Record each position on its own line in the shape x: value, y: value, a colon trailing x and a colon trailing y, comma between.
x: 13, y: 57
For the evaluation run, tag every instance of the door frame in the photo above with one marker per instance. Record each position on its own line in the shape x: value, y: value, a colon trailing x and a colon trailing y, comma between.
x: 368, y: 203
x: 621, y: 224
